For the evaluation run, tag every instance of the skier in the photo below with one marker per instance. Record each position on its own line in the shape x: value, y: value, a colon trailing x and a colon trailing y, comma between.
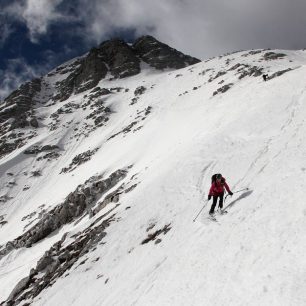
x: 217, y: 191
x: 265, y: 76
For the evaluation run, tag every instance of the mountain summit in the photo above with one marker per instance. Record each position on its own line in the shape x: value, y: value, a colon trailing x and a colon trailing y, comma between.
x: 112, y: 59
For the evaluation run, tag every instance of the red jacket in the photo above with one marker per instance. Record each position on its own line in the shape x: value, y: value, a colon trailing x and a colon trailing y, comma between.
x: 218, y: 188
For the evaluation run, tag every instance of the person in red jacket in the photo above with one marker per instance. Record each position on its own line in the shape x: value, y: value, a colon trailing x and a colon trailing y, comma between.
x: 217, y: 191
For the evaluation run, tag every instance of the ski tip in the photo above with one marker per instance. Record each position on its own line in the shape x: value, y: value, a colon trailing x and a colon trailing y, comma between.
x: 212, y: 218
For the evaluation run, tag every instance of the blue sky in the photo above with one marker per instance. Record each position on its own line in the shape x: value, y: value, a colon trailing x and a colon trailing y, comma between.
x: 38, y: 35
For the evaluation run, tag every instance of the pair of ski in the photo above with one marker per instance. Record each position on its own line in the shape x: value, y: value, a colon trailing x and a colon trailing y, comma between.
x: 212, y: 217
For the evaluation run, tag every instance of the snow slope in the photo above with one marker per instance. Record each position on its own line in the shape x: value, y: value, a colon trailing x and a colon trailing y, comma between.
x: 253, y: 133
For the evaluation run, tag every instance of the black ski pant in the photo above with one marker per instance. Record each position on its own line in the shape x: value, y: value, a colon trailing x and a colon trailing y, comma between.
x: 214, y: 203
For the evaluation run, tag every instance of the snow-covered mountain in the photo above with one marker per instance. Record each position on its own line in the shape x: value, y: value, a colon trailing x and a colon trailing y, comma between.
x: 106, y: 161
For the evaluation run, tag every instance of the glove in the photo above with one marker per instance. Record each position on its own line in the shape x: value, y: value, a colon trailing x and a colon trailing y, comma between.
x: 230, y: 193
x: 209, y: 197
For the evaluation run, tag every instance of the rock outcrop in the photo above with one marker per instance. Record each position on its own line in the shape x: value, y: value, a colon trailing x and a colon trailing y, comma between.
x: 19, y: 105
x: 121, y: 60
x: 112, y: 59
x: 160, y: 55
x: 58, y: 260
x: 76, y: 203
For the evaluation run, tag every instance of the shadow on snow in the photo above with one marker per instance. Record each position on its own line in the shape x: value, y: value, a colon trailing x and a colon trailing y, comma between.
x: 242, y: 196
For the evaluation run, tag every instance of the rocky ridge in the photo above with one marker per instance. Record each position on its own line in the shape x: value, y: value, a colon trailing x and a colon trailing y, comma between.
x: 113, y: 58
x: 81, y: 200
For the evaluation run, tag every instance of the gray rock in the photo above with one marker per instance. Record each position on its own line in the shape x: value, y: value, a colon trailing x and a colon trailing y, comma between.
x: 250, y: 71
x: 21, y: 285
x: 160, y: 55
x: 113, y: 56
x: 220, y: 73
x: 44, y: 262
x: 38, y: 149
x: 279, y: 73
x: 79, y: 160
x: 34, y: 123
x: 268, y: 56
x: 223, y: 89
x: 75, y: 204
x: 18, y: 104
x: 18, y: 111
x: 139, y: 90
x: 121, y: 58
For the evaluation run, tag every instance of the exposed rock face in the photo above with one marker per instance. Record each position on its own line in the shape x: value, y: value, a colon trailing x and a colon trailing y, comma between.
x: 58, y: 260
x: 18, y: 111
x: 113, y: 58
x: 250, y: 71
x: 20, y: 103
x: 122, y: 60
x: 21, y: 285
x: 161, y: 56
x: 154, y: 235
x: 75, y: 204
x: 79, y: 160
x: 223, y: 89
x: 246, y: 70
x: 279, y: 73
x: 37, y: 149
x: 219, y: 74
x: 139, y: 90
x: 93, y: 68
x: 273, y: 56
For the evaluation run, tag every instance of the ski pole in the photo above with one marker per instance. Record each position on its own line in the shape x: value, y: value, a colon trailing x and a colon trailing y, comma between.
x: 236, y: 192
x: 241, y: 190
x: 199, y: 212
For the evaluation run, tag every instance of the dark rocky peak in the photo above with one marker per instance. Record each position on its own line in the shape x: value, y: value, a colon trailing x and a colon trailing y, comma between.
x: 18, y: 111
x: 19, y: 105
x: 87, y: 75
x: 121, y: 60
x: 113, y: 56
x: 120, y: 57
x: 160, y: 55
x: 67, y: 67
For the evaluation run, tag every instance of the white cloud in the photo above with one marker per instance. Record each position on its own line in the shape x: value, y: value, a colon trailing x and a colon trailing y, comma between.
x: 201, y: 28
x: 37, y: 15
x: 17, y: 72
x: 6, y: 31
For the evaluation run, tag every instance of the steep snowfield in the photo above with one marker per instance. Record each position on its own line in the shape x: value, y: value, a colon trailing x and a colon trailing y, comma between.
x: 254, y: 134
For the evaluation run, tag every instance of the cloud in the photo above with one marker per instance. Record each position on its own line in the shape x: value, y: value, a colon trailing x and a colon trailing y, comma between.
x: 17, y: 72
x: 199, y: 27
x: 37, y: 15
x: 5, y: 31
